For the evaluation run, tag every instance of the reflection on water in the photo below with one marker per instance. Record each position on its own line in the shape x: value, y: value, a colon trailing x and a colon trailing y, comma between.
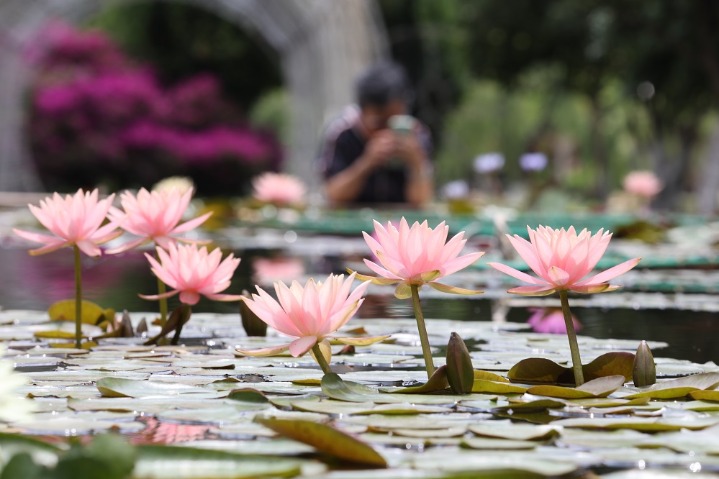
x: 37, y: 282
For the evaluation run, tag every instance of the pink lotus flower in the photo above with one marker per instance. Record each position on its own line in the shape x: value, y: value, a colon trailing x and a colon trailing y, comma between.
x: 309, y: 313
x: 269, y: 270
x: 74, y: 220
x: 154, y: 216
x: 561, y: 260
x: 551, y: 321
x: 642, y: 183
x: 416, y: 255
x: 193, y: 272
x: 278, y: 188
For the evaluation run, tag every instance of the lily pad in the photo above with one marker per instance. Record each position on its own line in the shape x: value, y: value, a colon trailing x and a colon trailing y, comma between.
x: 600, y: 387
x: 545, y: 371
x: 681, y: 387
x: 326, y: 439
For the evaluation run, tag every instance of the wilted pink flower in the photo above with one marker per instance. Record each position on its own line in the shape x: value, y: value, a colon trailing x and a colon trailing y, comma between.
x: 309, y: 313
x: 561, y: 260
x: 550, y: 321
x: 416, y: 256
x: 278, y: 188
x: 193, y: 272
x: 642, y: 183
x: 74, y: 220
x: 154, y: 216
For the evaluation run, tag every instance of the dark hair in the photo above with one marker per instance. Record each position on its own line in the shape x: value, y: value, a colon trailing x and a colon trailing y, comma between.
x: 382, y: 83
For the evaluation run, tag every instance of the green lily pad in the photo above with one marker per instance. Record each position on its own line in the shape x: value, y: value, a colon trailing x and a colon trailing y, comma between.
x: 545, y: 371
x: 600, y: 387
x: 514, y: 431
x: 492, y: 444
x: 120, y: 387
x: 170, y: 462
x: 681, y: 387
x: 495, y: 387
x: 326, y: 439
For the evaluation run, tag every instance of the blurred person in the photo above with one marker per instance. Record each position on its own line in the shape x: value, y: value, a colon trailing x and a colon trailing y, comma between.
x: 374, y: 153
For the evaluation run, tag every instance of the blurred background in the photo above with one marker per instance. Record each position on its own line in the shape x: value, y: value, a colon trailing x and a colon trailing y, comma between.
x: 558, y: 100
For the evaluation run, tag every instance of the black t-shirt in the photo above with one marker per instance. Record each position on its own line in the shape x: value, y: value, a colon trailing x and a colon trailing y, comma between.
x: 384, y: 185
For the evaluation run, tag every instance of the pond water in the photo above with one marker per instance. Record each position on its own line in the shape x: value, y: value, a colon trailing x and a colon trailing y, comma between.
x: 37, y: 282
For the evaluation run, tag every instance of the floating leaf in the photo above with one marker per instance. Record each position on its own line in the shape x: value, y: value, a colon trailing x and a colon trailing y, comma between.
x: 496, y: 387
x: 545, y: 371
x: 171, y: 462
x: 677, y: 388
x: 248, y: 395
x: 437, y: 382
x: 92, y: 313
x: 510, y: 430
x: 531, y: 405
x: 120, y: 387
x: 326, y: 439
x: 704, y: 395
x: 645, y: 424
x: 489, y: 376
x: 600, y: 387
x: 493, y: 444
x: 359, y: 341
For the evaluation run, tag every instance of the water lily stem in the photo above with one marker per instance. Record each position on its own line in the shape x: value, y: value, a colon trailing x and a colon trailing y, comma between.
x: 78, y: 298
x: 422, y: 329
x: 184, y: 317
x: 572, y: 335
x: 162, y: 289
x: 321, y: 359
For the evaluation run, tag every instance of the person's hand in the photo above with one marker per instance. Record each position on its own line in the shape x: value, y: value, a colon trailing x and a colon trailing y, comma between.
x: 380, y: 148
x: 410, y: 150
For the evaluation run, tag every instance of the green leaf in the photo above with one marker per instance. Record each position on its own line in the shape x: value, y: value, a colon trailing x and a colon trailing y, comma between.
x: 21, y: 465
x: 336, y: 388
x: 437, y: 382
x: 489, y: 376
x: 496, y: 387
x: 677, y: 388
x: 361, y: 341
x: 116, y: 455
x: 248, y: 395
x: 403, y: 291
x: 120, y: 387
x: 514, y: 431
x: 325, y: 439
x: 533, y: 405
x: 545, y: 371
x: 171, y: 462
x: 600, y: 387
x: 92, y: 313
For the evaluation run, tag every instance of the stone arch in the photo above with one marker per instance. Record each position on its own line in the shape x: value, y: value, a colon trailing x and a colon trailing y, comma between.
x: 322, y: 45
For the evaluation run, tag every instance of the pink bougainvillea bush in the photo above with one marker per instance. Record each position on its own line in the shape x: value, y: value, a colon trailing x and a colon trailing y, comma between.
x: 98, y: 117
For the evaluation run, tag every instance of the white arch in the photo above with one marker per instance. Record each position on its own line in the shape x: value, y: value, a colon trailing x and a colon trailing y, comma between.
x: 322, y: 45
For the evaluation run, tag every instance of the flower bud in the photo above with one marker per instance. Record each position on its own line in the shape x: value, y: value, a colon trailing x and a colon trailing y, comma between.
x: 645, y: 371
x: 460, y: 373
x: 252, y: 325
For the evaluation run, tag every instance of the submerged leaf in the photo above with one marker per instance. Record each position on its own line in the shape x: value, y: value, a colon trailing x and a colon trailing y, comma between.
x: 325, y: 439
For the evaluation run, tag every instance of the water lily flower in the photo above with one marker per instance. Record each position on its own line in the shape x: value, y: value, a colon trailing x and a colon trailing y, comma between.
x: 154, y: 216
x: 75, y: 220
x: 550, y: 321
x: 562, y: 259
x: 193, y: 272
x: 642, y: 183
x: 309, y: 313
x: 416, y: 255
x: 278, y: 188
x: 412, y: 257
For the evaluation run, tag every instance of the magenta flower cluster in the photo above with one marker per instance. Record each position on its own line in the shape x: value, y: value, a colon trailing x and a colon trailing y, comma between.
x: 99, y: 117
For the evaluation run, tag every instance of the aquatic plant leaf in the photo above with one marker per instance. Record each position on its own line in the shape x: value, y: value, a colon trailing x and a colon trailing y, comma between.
x: 495, y: 444
x: 360, y: 341
x: 436, y: 382
x: 644, y: 424
x: 248, y: 395
x: 514, y: 431
x: 532, y: 405
x: 496, y: 387
x: 92, y: 313
x: 326, y: 439
x: 120, y: 387
x: 677, y: 388
x: 489, y: 376
x: 600, y: 387
x: 705, y: 395
x: 172, y: 462
x: 546, y: 371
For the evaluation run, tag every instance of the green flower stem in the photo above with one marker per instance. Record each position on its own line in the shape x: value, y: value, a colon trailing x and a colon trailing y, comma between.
x: 321, y: 359
x: 422, y: 329
x: 573, y: 345
x: 162, y: 289
x: 78, y: 298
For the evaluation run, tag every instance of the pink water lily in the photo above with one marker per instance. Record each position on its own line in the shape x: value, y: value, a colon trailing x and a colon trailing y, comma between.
x: 562, y: 259
x: 278, y: 188
x: 550, y: 321
x: 74, y: 220
x: 155, y: 216
x: 193, y: 272
x: 642, y: 183
x: 309, y: 313
x: 416, y: 255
